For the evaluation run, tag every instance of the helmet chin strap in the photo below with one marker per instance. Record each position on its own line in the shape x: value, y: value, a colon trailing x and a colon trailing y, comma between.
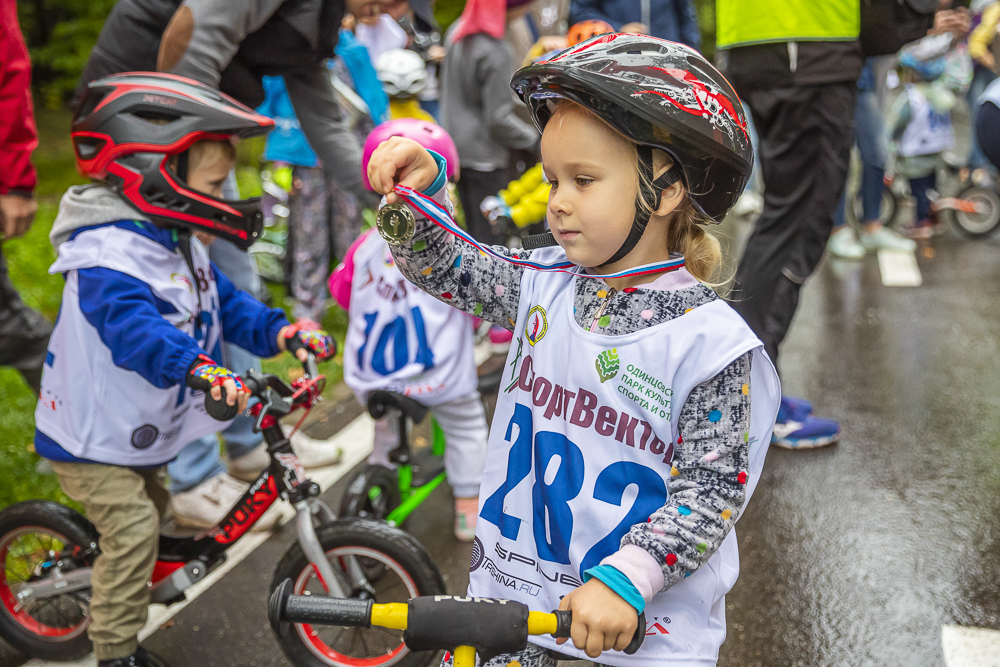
x: 650, y: 195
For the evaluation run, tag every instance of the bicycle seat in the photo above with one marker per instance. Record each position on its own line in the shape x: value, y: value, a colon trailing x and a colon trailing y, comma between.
x: 381, y: 402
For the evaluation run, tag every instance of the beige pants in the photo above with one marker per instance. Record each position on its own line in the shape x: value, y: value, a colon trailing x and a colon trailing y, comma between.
x: 125, y: 504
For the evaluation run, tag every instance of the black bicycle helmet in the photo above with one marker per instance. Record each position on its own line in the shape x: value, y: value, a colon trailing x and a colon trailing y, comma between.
x: 660, y: 95
x: 127, y: 127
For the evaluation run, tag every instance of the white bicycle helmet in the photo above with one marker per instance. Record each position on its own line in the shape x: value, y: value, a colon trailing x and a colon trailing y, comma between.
x: 402, y: 72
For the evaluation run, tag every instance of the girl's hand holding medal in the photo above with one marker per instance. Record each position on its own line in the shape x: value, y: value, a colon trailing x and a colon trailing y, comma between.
x: 401, y: 161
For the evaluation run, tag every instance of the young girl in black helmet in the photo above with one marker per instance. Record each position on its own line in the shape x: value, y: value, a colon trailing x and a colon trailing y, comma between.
x: 143, y: 317
x: 637, y: 406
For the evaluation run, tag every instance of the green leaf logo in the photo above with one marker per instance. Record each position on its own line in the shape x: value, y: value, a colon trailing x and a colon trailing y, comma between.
x: 607, y: 364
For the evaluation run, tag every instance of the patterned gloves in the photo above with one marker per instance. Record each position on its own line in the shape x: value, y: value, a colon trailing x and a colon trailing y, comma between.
x: 309, y: 335
x: 205, y: 374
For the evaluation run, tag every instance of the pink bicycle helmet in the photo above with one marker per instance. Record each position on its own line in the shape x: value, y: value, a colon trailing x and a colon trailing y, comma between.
x: 429, y: 135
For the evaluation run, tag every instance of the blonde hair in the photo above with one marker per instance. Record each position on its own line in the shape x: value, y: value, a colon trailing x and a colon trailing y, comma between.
x: 686, y: 234
x: 207, y: 153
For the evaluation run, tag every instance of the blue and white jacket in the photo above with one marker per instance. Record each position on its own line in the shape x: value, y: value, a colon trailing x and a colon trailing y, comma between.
x: 132, y: 320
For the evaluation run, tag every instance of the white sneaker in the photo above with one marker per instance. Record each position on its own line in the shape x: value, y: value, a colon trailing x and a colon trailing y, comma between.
x: 886, y: 239
x: 844, y: 244
x: 207, y: 504
x: 249, y: 466
x: 315, y: 453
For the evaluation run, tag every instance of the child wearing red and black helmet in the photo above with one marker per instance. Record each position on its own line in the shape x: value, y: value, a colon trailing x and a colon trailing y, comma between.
x: 638, y: 406
x: 143, y: 316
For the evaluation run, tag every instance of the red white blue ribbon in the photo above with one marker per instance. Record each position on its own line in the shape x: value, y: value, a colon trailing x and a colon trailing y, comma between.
x: 440, y: 216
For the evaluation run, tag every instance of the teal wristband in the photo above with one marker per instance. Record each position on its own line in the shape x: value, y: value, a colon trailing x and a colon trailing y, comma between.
x: 612, y: 577
x: 442, y: 176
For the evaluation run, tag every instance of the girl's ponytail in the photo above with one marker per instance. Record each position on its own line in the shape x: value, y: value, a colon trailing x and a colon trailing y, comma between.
x: 687, y: 235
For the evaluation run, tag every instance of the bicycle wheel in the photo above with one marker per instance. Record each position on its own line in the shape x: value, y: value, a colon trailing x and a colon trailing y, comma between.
x: 986, y: 218
x: 409, y: 572
x: 372, y: 494
x: 41, y: 540
x: 887, y: 208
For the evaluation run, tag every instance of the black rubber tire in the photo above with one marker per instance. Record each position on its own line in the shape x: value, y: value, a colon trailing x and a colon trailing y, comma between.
x: 980, y: 227
x: 379, y: 536
x: 357, y: 501
x: 78, y: 532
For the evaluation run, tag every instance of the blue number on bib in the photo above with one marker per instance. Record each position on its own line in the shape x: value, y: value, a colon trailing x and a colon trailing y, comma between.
x: 424, y: 354
x: 552, y: 517
x: 395, y: 332
x: 610, y: 487
x: 553, y: 522
x: 369, y: 325
x: 518, y: 467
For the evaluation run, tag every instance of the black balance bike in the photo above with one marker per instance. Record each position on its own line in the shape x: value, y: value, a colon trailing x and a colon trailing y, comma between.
x: 47, y: 553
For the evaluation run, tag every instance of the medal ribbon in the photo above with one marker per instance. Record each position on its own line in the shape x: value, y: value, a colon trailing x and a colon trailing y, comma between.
x: 440, y: 216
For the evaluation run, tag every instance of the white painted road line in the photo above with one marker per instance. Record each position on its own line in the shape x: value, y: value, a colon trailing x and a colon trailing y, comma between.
x: 899, y: 268
x: 970, y: 647
x: 356, y: 440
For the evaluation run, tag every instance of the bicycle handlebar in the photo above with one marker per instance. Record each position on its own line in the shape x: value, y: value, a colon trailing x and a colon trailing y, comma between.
x: 219, y: 409
x: 438, y: 622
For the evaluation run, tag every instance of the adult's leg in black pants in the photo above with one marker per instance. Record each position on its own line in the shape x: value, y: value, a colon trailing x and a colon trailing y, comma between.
x: 24, y: 334
x: 988, y: 131
x: 473, y: 187
x: 805, y: 144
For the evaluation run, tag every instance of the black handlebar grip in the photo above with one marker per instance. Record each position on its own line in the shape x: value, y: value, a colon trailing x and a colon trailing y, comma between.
x: 276, y: 607
x: 326, y: 611
x: 564, y: 621
x: 639, y: 636
x: 294, y: 343
x: 219, y: 409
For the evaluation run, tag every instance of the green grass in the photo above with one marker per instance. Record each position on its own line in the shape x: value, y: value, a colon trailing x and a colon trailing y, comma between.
x: 29, y: 258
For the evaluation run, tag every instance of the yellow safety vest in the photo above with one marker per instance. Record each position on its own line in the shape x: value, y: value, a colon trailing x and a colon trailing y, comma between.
x: 744, y: 22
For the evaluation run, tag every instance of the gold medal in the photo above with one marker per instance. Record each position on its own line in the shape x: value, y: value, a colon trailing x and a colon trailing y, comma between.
x: 396, y: 223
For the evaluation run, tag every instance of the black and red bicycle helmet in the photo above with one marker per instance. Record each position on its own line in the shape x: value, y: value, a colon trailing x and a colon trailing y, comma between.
x: 660, y: 95
x: 127, y: 127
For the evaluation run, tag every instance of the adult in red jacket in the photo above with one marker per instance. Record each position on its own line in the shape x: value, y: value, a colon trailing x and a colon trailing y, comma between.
x: 24, y: 334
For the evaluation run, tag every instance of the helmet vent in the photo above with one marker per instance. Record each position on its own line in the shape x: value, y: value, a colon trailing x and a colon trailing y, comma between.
x: 156, y: 117
x: 87, y: 147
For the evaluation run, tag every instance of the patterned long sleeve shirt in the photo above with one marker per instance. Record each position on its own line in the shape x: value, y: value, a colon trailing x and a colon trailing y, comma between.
x: 706, y: 494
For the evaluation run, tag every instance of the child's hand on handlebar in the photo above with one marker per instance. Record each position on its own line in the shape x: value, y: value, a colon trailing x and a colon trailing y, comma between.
x: 206, y: 375
x: 401, y: 161
x: 306, y: 336
x: 602, y: 620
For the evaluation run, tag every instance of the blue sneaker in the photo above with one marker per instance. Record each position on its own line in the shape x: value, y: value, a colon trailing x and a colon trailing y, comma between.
x: 796, y: 428
x: 796, y: 409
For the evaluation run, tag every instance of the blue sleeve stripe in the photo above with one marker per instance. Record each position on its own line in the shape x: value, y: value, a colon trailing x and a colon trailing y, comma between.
x: 246, y: 322
x: 49, y: 359
x: 613, y: 578
x: 124, y: 312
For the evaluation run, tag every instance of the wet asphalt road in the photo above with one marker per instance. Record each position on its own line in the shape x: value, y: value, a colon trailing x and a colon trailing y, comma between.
x: 852, y: 555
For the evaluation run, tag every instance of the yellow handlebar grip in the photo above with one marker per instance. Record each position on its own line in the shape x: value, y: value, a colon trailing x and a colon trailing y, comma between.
x: 541, y: 623
x: 465, y: 656
x: 390, y: 615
